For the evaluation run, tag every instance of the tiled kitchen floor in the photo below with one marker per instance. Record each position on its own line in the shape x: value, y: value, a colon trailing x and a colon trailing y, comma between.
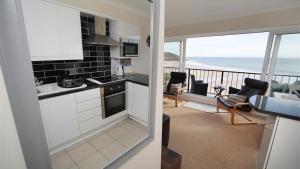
x: 97, y: 151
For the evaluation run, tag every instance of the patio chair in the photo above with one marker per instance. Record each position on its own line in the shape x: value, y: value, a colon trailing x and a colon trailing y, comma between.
x: 175, y: 86
x: 198, y: 87
x: 240, y: 101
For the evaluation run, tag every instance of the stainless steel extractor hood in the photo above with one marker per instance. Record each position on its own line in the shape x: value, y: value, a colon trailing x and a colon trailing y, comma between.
x: 99, y: 37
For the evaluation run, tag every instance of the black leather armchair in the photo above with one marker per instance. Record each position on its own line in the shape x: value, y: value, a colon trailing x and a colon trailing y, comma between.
x: 240, y: 100
x: 176, y: 78
x: 198, y: 87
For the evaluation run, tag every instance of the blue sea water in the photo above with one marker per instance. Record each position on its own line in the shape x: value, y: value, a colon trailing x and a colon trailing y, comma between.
x: 290, y: 66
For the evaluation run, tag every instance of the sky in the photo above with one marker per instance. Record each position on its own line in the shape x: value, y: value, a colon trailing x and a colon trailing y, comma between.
x: 173, y: 47
x: 241, y: 45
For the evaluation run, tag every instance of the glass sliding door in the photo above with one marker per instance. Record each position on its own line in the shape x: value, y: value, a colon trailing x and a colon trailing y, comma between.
x: 284, y: 67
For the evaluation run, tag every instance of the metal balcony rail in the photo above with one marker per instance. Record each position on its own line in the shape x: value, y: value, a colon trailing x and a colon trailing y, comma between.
x: 225, y: 78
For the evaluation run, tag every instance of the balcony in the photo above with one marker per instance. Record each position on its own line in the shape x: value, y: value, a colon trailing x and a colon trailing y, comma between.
x: 230, y: 79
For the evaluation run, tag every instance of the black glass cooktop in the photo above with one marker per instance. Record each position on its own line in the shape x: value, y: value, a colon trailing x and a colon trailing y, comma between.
x: 108, y: 79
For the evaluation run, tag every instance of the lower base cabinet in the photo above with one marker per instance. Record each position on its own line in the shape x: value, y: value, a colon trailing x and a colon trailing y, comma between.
x: 69, y: 116
x: 138, y: 102
x: 60, y: 119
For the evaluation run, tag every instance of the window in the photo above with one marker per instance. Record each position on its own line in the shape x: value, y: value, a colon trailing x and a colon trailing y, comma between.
x: 284, y: 66
x: 172, y: 59
x: 226, y: 60
x: 172, y: 54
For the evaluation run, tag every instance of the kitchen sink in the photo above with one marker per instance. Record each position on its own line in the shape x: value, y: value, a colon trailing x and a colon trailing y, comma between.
x: 52, y: 88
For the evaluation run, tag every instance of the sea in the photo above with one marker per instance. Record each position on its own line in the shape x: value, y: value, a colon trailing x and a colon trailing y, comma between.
x: 287, y: 66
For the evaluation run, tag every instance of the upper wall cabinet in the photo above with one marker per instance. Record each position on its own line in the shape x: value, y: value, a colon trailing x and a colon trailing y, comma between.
x: 53, y: 31
x: 120, y: 29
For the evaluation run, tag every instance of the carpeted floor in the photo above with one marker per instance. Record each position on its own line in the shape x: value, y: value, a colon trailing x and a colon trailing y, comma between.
x: 209, y: 141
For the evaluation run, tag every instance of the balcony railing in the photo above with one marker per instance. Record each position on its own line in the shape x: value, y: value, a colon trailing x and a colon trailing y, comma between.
x: 225, y: 78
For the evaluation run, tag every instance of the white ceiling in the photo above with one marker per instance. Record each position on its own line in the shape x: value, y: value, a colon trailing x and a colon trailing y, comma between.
x: 141, y: 7
x: 184, y: 12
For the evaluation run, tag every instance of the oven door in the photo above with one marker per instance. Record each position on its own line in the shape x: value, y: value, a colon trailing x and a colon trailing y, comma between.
x: 130, y: 49
x: 114, y: 103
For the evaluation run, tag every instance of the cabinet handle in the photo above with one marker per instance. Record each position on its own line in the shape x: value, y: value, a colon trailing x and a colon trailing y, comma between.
x: 108, y: 96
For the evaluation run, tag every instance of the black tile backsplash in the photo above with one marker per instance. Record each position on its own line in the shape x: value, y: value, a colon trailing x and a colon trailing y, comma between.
x: 96, y: 59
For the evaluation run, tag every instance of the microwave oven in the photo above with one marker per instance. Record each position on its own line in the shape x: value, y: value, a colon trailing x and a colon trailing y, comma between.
x: 129, y: 47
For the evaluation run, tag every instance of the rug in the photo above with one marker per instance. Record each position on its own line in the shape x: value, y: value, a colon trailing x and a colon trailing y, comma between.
x: 201, y: 107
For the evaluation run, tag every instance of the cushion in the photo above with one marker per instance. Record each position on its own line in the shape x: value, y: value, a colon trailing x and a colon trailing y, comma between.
x: 175, y: 87
x: 237, y: 98
x: 249, y: 91
x: 232, y: 100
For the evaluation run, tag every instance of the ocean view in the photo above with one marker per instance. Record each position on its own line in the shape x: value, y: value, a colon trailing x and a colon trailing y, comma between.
x: 288, y: 66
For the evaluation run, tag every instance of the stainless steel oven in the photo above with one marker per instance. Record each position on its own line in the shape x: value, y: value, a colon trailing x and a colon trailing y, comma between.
x: 129, y: 47
x: 113, y: 98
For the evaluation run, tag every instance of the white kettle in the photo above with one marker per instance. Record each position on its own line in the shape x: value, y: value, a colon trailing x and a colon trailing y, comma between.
x: 119, y: 70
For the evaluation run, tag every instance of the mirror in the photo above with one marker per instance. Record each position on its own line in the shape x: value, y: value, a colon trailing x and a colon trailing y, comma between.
x: 96, y: 108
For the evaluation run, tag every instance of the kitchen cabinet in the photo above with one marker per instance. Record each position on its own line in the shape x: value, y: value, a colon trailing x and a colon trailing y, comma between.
x: 280, y: 144
x: 89, y: 110
x: 69, y: 116
x: 138, y: 102
x: 53, y: 31
x: 285, y: 150
x: 60, y: 119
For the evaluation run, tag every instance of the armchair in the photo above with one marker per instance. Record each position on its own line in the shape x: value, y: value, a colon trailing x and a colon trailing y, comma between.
x: 173, y: 90
x: 240, y: 100
x: 198, y: 87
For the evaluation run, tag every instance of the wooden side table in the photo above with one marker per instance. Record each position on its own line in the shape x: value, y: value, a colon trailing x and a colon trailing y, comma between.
x: 219, y: 90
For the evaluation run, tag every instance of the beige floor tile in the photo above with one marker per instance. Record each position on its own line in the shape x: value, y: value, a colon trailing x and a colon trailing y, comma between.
x: 61, y: 161
x: 74, y: 167
x: 101, y: 141
x: 116, y: 132
x: 140, y: 132
x: 129, y: 140
x: 57, y: 154
x: 113, y: 150
x: 128, y: 126
x: 94, y: 161
x: 81, y: 151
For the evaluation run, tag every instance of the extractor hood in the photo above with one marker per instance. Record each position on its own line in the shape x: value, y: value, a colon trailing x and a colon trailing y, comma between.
x: 99, y: 38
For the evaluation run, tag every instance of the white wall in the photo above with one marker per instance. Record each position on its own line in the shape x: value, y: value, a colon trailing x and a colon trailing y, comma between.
x: 11, y: 156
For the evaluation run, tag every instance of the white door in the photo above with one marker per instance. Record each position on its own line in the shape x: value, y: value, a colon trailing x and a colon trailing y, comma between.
x: 60, y: 119
x: 41, y: 27
x: 69, y: 32
x: 138, y: 101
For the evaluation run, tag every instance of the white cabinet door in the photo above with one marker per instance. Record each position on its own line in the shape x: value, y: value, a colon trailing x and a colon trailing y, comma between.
x: 285, y: 151
x: 60, y: 119
x: 53, y: 31
x: 41, y: 27
x: 138, y: 101
x: 69, y: 32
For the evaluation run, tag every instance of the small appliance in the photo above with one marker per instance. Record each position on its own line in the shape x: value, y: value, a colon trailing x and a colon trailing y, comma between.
x: 129, y: 47
x: 70, y: 82
x: 128, y: 69
x: 119, y: 70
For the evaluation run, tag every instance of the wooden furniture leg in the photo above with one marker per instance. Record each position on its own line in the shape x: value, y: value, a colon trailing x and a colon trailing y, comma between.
x: 176, y: 100
x: 218, y: 106
x: 233, y: 111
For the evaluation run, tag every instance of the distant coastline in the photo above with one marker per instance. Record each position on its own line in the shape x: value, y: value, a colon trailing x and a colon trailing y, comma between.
x: 288, y: 66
